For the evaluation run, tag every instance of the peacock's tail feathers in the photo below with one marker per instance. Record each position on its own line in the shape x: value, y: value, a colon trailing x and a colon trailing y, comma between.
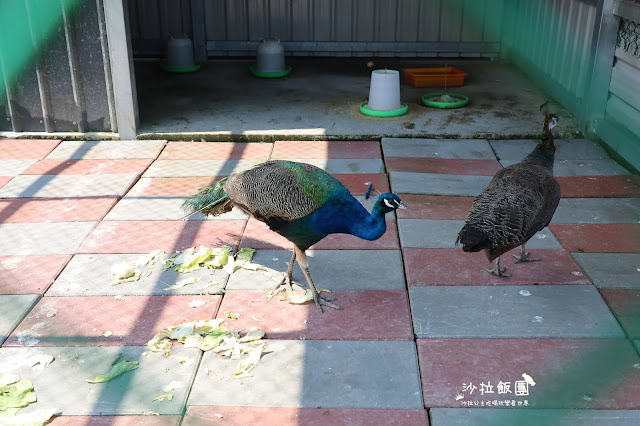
x: 211, y: 200
x: 473, y: 238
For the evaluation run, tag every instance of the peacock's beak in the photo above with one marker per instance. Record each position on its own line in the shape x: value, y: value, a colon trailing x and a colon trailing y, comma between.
x: 403, y: 206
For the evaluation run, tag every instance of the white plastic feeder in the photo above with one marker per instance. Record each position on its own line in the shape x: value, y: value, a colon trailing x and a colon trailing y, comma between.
x: 384, y: 95
x: 180, y: 55
x: 270, y: 59
x: 270, y: 56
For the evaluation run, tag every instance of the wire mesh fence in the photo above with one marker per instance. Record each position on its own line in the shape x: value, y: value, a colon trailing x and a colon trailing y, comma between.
x: 629, y: 36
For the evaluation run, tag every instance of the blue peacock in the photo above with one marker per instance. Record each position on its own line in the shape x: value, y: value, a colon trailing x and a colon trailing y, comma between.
x: 299, y: 201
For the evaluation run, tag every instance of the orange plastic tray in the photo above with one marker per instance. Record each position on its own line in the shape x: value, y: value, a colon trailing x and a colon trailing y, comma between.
x: 434, y: 77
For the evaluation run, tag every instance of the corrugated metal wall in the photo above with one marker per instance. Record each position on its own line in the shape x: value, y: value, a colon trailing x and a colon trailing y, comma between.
x: 551, y: 40
x: 324, y: 27
x: 65, y: 84
x: 620, y: 127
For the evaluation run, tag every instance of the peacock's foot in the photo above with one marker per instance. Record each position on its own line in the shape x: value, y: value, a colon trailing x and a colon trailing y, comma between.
x: 498, y: 272
x: 286, y: 281
x: 324, y: 301
x: 524, y: 257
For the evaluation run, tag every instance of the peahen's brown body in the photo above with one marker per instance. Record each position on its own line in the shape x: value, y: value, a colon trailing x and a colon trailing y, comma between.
x: 519, y: 201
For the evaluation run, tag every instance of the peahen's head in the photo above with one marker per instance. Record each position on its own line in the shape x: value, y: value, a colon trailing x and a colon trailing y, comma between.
x: 389, y: 202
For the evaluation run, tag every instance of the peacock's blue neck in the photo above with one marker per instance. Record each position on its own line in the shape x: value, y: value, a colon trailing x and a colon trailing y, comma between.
x: 373, y: 226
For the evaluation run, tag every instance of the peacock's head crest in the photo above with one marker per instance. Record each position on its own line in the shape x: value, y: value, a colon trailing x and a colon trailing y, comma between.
x: 390, y: 202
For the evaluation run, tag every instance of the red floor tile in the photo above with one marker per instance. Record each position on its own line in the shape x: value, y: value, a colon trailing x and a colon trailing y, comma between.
x: 443, y: 165
x: 282, y: 320
x: 4, y: 180
x: 324, y: 149
x: 598, y: 238
x: 258, y: 235
x: 437, y: 207
x: 37, y: 210
x: 26, y: 148
x: 455, y: 267
x: 216, y: 151
x: 115, y: 420
x: 170, y: 186
x: 580, y: 373
x: 599, y: 186
x: 170, y: 236
x: 62, y: 321
x: 292, y: 416
x: 88, y: 167
x: 29, y: 274
x: 357, y: 182
x: 625, y: 304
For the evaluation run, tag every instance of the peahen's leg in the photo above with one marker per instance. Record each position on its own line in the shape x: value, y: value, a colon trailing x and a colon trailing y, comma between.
x: 287, y: 279
x: 524, y: 256
x: 320, y: 301
x: 497, y: 271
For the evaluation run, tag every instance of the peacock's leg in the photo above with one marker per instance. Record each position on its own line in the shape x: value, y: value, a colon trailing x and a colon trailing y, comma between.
x: 497, y: 271
x: 320, y: 300
x: 287, y: 278
x: 524, y: 256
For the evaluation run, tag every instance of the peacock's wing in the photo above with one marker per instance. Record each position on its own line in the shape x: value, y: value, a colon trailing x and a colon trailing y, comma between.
x: 281, y: 191
x: 519, y: 202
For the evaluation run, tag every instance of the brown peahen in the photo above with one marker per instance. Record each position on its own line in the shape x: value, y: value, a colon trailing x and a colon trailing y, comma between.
x: 519, y: 201
x: 301, y: 202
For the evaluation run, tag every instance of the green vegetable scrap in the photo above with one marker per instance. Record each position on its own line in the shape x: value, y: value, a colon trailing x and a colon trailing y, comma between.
x: 116, y: 370
x: 231, y: 315
x: 161, y: 398
x: 34, y: 418
x: 15, y: 393
x: 300, y: 298
x: 209, y: 335
x: 243, y: 260
x: 183, y: 283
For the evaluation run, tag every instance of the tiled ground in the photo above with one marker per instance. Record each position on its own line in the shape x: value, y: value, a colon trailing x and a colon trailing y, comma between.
x: 426, y: 334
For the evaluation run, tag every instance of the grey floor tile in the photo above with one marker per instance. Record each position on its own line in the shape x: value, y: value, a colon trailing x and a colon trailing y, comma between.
x: 438, y: 184
x: 161, y: 208
x: 67, y: 185
x: 582, y: 167
x: 14, y: 308
x: 476, y: 149
x: 63, y: 384
x: 43, y: 238
x: 427, y: 233
x: 532, y: 417
x: 341, y: 165
x: 90, y: 275
x: 558, y: 311
x: 332, y: 269
x: 14, y: 167
x: 566, y: 149
x: 116, y: 150
x: 611, y: 270
x: 319, y: 373
x: 184, y: 168
x: 598, y: 210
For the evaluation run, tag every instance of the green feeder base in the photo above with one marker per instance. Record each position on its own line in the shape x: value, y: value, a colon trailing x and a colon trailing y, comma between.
x: 463, y: 100
x: 270, y: 74
x: 375, y: 113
